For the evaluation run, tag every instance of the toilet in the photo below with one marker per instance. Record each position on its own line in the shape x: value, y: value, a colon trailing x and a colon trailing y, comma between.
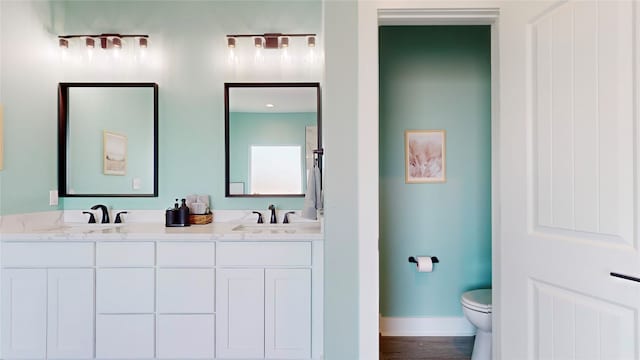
x: 476, y: 306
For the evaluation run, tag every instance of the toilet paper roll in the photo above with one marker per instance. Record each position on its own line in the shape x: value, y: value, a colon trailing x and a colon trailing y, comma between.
x: 424, y: 264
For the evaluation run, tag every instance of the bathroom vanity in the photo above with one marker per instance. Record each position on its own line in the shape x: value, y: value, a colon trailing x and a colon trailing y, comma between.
x: 143, y: 291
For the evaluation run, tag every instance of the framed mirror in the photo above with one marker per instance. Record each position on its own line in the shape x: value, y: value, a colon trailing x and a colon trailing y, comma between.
x: 108, y: 139
x: 272, y: 133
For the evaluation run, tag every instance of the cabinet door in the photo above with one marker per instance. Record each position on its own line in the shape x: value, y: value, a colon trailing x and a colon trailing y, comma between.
x: 240, y: 313
x: 288, y: 313
x: 70, y: 315
x: 24, y: 313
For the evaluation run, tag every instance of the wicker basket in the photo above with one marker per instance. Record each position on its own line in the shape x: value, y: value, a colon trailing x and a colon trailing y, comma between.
x: 200, y: 219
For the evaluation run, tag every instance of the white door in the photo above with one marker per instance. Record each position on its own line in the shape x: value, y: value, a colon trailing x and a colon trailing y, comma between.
x: 24, y: 313
x: 240, y: 313
x: 70, y: 315
x: 287, y: 313
x: 568, y: 180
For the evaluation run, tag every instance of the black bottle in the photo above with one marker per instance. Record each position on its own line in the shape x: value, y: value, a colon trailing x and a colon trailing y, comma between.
x: 172, y: 217
x: 183, y: 214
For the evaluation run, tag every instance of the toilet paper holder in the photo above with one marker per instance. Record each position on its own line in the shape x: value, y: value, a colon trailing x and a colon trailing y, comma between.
x: 434, y: 259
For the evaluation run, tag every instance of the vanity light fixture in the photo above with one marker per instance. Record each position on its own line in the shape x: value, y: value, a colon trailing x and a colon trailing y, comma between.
x: 107, y: 41
x: 270, y: 40
x: 269, y: 105
x: 284, y: 42
x: 116, y: 42
x: 231, y: 42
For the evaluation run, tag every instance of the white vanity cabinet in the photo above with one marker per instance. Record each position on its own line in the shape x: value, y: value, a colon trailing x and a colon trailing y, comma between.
x: 264, y: 300
x: 108, y: 299
x: 47, y: 300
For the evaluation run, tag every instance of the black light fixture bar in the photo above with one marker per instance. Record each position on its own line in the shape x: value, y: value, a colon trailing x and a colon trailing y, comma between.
x: 271, y: 40
x: 104, y: 38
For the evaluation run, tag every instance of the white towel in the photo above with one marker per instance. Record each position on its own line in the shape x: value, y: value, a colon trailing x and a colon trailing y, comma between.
x: 313, y: 197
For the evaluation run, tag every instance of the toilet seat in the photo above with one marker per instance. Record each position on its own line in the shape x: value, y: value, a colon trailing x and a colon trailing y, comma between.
x: 477, y: 300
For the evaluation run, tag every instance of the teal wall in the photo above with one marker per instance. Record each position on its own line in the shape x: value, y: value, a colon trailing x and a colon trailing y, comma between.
x: 187, y: 58
x: 124, y: 111
x: 248, y: 129
x: 28, y: 81
x: 431, y: 78
x: 187, y: 40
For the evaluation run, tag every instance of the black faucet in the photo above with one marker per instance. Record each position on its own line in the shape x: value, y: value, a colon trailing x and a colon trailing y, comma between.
x: 118, y: 218
x: 92, y: 219
x: 273, y: 214
x: 260, y: 221
x: 105, y: 213
x: 286, y: 217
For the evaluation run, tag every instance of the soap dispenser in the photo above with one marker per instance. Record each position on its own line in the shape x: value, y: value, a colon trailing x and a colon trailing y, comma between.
x: 172, y: 216
x: 183, y: 214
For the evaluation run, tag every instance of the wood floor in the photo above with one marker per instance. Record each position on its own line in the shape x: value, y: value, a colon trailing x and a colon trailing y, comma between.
x: 426, y: 348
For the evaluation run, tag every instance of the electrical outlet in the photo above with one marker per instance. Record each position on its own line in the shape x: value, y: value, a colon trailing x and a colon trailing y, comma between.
x: 53, y: 197
x: 137, y: 183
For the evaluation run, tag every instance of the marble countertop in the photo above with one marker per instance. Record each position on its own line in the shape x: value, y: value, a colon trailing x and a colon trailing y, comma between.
x: 221, y: 231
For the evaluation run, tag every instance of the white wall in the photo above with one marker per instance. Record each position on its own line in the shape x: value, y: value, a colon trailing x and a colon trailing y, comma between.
x: 340, y: 186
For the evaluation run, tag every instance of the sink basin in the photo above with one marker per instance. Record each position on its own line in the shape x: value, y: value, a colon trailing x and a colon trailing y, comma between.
x: 83, y: 227
x: 301, y: 228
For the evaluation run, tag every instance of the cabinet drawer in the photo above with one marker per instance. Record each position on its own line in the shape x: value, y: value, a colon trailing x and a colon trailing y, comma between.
x: 186, y: 290
x: 125, y: 291
x: 125, y: 336
x: 186, y: 336
x: 125, y: 254
x: 186, y: 254
x: 264, y: 253
x: 47, y: 254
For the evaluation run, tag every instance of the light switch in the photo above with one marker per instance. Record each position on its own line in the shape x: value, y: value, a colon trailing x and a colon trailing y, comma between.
x: 137, y: 183
x: 53, y: 197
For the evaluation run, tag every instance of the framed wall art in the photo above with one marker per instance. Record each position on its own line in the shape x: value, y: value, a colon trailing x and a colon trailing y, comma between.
x: 115, y: 153
x: 424, y: 156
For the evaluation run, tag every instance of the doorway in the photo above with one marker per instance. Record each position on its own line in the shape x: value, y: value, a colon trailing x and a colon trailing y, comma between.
x: 435, y: 79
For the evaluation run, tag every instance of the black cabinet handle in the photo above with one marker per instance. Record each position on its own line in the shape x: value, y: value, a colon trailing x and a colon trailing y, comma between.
x: 626, y: 277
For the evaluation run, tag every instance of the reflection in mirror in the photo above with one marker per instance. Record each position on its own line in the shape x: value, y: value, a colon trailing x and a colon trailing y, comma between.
x: 272, y: 130
x: 108, y: 139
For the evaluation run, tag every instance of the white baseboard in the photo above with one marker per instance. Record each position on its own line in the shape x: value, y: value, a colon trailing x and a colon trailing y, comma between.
x: 426, y: 326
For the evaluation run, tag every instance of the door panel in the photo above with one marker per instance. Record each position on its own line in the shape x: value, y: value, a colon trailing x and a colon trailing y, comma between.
x: 71, y: 314
x: 287, y: 313
x: 240, y: 313
x: 570, y: 325
x: 24, y: 313
x: 568, y: 216
x: 583, y: 116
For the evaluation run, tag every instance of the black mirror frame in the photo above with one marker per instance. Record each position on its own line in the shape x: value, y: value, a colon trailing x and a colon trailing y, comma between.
x: 63, y: 103
x: 319, y: 152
